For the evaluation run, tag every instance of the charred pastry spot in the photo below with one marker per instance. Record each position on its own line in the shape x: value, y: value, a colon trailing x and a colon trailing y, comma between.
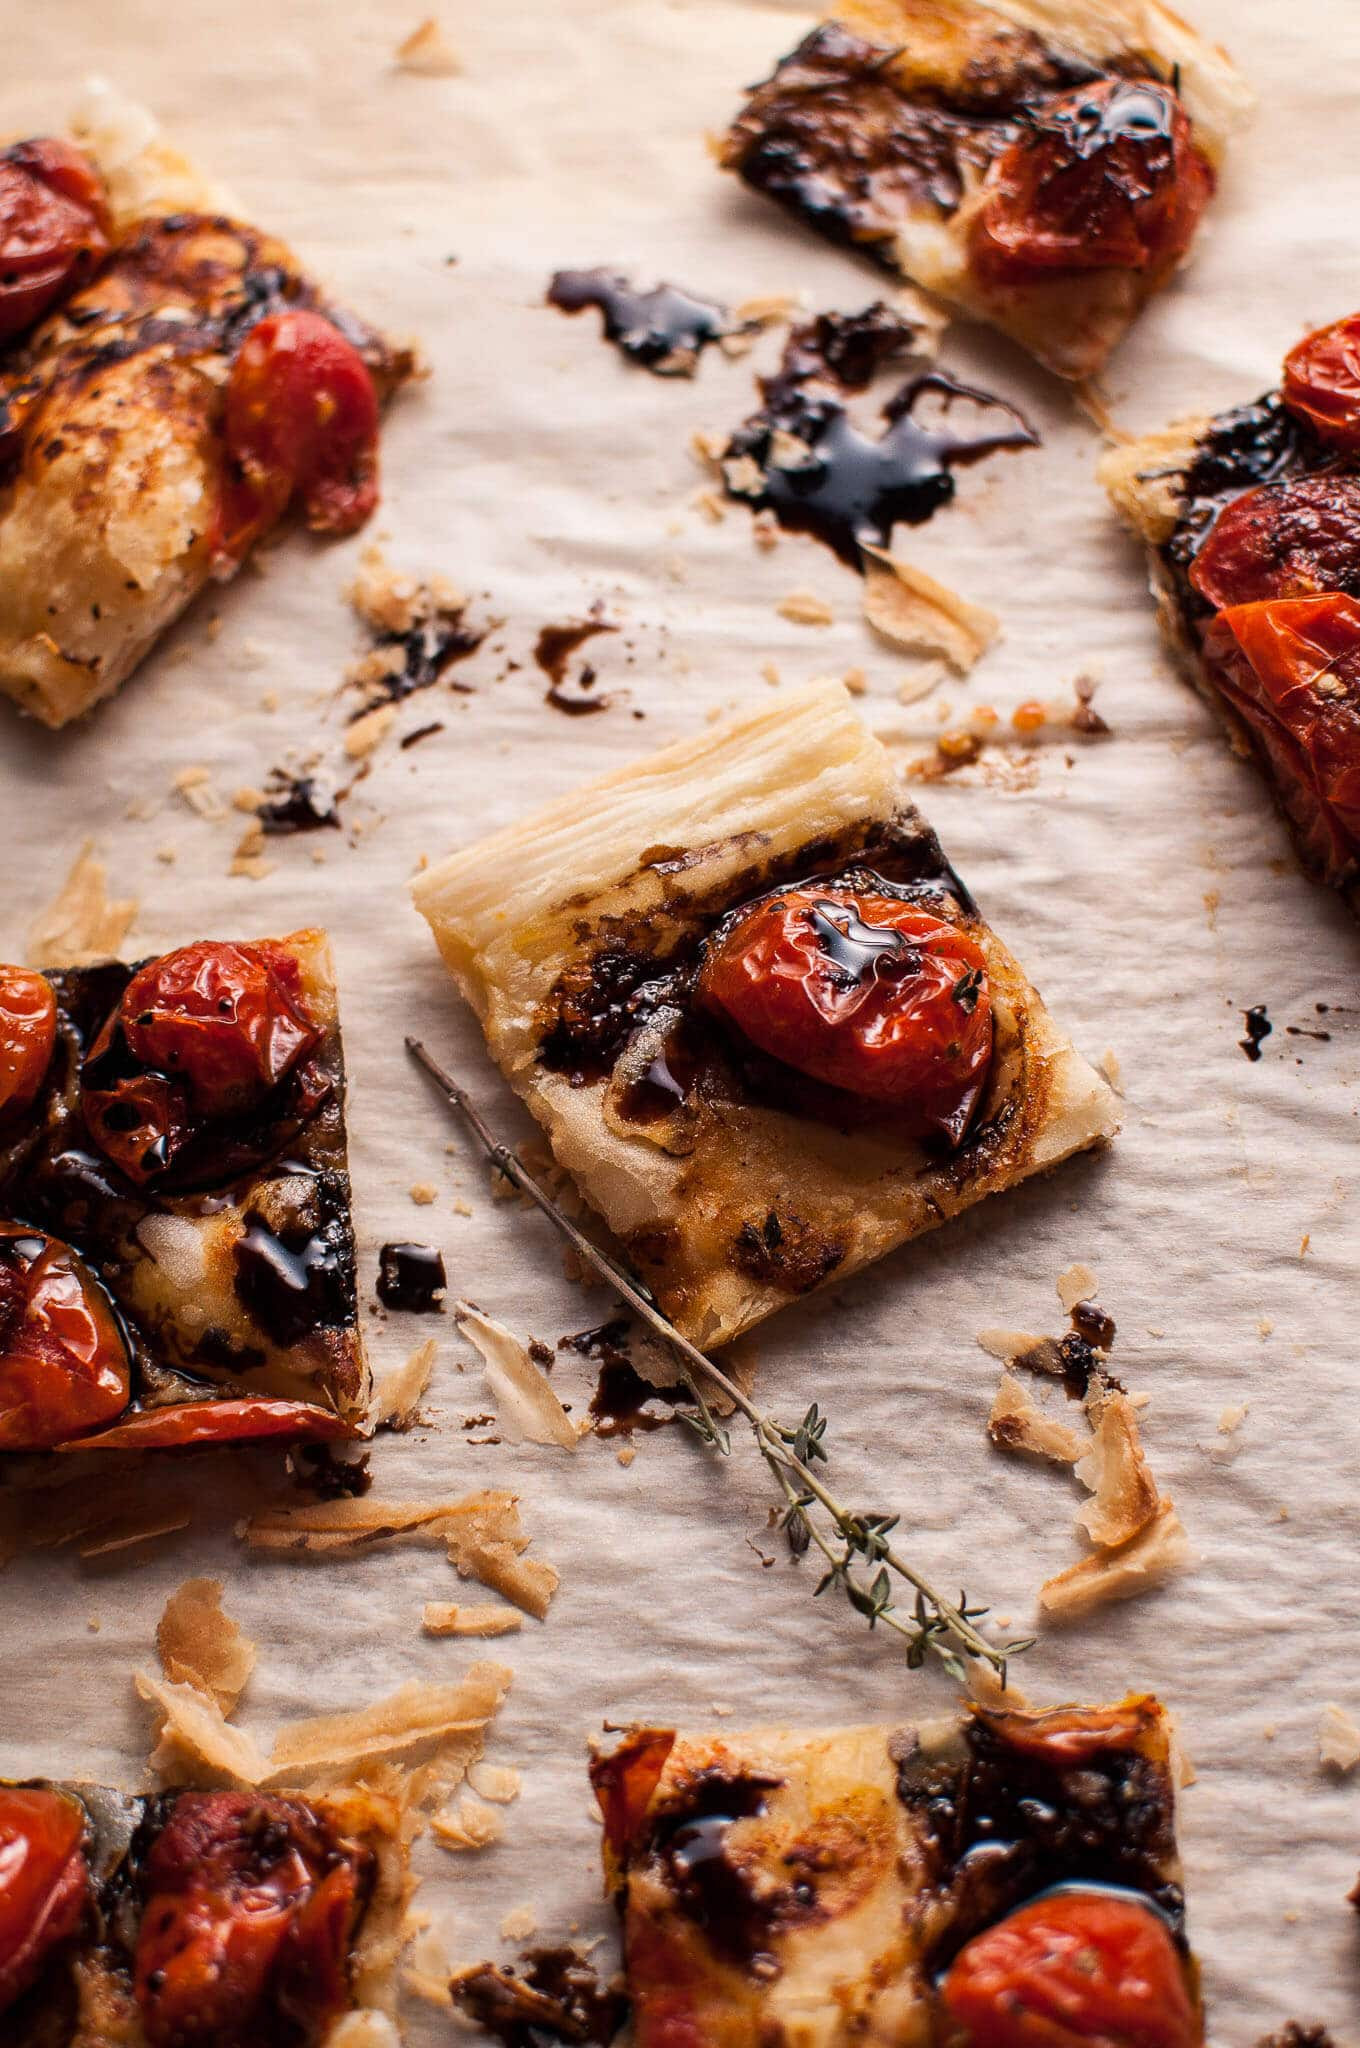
x: 788, y: 1252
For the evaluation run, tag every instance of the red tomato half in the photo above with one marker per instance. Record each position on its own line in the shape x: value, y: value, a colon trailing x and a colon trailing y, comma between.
x: 1282, y: 540
x: 63, y: 1364
x: 1322, y: 382
x: 1073, y: 1970
x: 44, y: 1881
x: 28, y: 1032
x: 251, y: 1904
x: 301, y: 420
x: 1107, y: 177
x: 863, y: 992
x: 1292, y: 671
x: 187, y: 1425
x: 54, y: 229
x: 210, y: 1029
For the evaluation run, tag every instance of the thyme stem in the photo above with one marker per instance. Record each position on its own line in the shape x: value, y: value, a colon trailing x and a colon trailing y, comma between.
x: 940, y: 1624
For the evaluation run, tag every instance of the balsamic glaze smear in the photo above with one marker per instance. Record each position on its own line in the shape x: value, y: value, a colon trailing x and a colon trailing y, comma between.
x: 847, y: 487
x: 553, y: 650
x: 692, y: 1840
x: 664, y: 329
x: 411, y: 1277
x: 297, y: 803
x: 855, y: 949
x: 1258, y: 1026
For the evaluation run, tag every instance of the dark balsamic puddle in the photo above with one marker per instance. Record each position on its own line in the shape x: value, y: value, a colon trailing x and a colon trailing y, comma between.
x: 819, y: 473
x: 623, y: 1403
x: 553, y: 1995
x: 411, y: 1278
x: 1258, y: 1026
x: 440, y: 637
x: 556, y: 644
x: 665, y: 330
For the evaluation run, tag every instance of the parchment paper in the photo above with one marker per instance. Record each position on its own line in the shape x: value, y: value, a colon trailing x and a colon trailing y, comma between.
x: 1146, y: 884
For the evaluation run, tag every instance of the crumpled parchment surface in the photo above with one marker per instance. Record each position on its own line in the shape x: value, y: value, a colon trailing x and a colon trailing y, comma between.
x: 1143, y: 879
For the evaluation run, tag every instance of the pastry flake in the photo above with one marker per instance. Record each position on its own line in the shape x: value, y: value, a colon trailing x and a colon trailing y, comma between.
x: 734, y: 1181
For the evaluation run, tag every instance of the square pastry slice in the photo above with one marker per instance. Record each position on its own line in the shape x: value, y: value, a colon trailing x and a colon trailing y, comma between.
x: 196, y: 1916
x: 176, y: 1249
x: 929, y: 1887
x: 756, y: 1012
x: 1040, y: 164
x: 1252, y: 525
x: 171, y: 381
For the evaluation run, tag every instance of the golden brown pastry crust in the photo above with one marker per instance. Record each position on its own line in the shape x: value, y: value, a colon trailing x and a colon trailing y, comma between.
x: 649, y: 857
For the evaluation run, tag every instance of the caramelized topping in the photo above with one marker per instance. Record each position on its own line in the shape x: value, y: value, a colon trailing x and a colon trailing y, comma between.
x: 54, y: 229
x: 28, y: 1032
x: 1322, y: 383
x: 1288, y: 539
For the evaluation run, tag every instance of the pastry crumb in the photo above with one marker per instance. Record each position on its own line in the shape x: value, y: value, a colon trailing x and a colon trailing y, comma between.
x: 913, y: 611
x: 519, y: 1923
x: 1232, y: 1419
x: 805, y: 608
x: 84, y: 925
x: 1338, y: 1740
x: 444, y: 1618
x: 428, y: 52
x: 368, y: 731
x: 423, y: 1193
x: 625, y: 1454
x: 1076, y: 1283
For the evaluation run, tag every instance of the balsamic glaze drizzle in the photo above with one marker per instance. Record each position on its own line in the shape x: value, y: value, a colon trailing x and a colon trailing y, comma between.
x: 664, y: 329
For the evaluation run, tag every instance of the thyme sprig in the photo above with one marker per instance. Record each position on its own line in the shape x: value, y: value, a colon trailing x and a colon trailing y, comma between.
x: 861, y: 1561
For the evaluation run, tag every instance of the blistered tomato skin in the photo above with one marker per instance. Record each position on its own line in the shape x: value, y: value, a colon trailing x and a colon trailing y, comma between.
x: 301, y: 421
x: 1289, y: 539
x: 200, y: 1034
x: 54, y: 229
x: 250, y: 1907
x: 44, y: 1882
x: 188, y: 1425
x: 1322, y: 383
x: 64, y: 1366
x: 1072, y: 1970
x: 1291, y: 669
x: 1106, y: 177
x: 28, y: 1032
x: 864, y: 993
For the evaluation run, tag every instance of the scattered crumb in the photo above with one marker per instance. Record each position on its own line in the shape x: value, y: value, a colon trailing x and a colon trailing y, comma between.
x: 1338, y: 1740
x: 440, y: 1618
x: 1108, y: 1065
x: 913, y: 611
x: 368, y: 731
x: 1232, y: 1419
x: 765, y: 530
x: 805, y: 608
x: 711, y: 504
x: 856, y: 682
x: 1076, y: 1283
x: 470, y: 1824
x: 168, y: 854
x: 1304, y: 1243
x: 1264, y: 1328
x: 460, y: 1207
x: 768, y: 309
x: 625, y: 1454
x: 519, y: 1924
x: 428, y: 52
x: 1116, y: 1471
x: 269, y: 701
x: 84, y: 925
x: 1018, y: 1423
x: 94, y: 1624
x: 195, y: 785
x: 771, y: 674
x: 423, y: 1193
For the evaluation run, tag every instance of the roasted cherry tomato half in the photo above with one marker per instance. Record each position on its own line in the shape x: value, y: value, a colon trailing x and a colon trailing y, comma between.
x: 1322, y: 382
x: 28, y: 1032
x: 54, y: 229
x: 199, y: 1034
x: 64, y: 1365
x: 250, y: 1907
x: 44, y: 1881
x: 1292, y: 671
x: 1073, y: 1970
x: 1104, y: 178
x: 863, y: 992
x: 186, y: 1425
x: 301, y: 420
x: 1282, y: 540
